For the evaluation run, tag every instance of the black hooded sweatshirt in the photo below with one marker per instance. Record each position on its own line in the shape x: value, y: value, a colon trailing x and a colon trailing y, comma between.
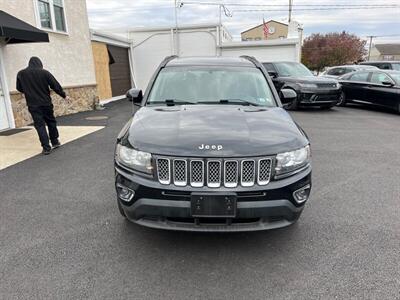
x: 35, y: 82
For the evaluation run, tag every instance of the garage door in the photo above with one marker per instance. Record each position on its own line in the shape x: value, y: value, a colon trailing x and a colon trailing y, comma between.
x: 119, y: 70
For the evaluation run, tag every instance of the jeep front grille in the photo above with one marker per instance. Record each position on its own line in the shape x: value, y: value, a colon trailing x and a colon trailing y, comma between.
x: 248, y: 172
x: 214, y: 173
x: 163, y: 170
x: 264, y: 171
x: 196, y: 173
x: 231, y: 174
x: 180, y: 173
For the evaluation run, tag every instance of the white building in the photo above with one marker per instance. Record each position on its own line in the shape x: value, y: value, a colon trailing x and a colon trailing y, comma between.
x: 152, y: 45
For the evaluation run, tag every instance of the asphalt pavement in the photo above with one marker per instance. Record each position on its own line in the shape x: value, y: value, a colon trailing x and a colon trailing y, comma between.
x: 61, y: 235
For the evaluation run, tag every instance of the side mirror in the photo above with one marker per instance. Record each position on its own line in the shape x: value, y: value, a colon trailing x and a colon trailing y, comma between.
x: 387, y: 83
x: 272, y: 74
x: 135, y: 95
x: 287, y: 96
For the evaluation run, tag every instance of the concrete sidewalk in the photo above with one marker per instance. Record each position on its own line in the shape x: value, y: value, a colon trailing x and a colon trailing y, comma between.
x: 17, y: 147
x: 23, y: 145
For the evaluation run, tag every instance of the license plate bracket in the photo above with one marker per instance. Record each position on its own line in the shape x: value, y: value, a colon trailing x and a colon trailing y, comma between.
x: 212, y: 205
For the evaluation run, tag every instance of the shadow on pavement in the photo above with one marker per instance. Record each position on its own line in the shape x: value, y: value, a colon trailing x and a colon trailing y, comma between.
x: 189, y: 240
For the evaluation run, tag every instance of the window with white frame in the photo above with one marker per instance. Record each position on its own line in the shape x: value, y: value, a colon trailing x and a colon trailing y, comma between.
x: 51, y: 15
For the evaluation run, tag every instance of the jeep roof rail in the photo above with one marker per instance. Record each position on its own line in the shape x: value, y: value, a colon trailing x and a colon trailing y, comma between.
x: 167, y: 60
x: 253, y: 60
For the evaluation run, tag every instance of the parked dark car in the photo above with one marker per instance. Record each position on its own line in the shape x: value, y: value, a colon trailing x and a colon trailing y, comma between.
x: 337, y: 71
x: 384, y: 65
x: 211, y: 149
x: 377, y: 87
x: 311, y: 90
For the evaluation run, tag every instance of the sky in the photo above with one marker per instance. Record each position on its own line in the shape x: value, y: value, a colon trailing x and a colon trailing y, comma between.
x: 121, y: 15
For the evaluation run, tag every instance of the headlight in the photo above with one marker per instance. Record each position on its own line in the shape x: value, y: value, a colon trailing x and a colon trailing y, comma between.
x: 293, y: 160
x: 137, y: 160
x: 308, y: 85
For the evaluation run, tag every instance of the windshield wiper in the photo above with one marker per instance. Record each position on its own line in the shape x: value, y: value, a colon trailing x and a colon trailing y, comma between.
x: 238, y: 101
x: 172, y: 102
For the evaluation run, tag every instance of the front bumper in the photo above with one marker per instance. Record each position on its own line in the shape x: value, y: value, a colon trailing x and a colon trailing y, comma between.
x: 319, y: 97
x: 169, y: 207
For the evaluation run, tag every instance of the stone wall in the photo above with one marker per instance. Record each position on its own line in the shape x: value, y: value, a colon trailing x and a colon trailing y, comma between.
x: 83, y: 98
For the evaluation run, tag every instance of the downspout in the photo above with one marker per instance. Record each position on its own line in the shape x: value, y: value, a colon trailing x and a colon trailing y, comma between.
x: 6, y: 91
x: 131, y: 65
x: 172, y: 42
x: 219, y: 40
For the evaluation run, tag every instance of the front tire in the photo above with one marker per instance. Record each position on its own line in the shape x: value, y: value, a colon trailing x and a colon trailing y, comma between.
x: 342, y: 99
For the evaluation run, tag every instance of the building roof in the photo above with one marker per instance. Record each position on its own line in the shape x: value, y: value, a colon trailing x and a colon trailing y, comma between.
x: 110, y: 39
x: 388, y: 49
x: 180, y: 27
x: 260, y: 43
x: 263, y: 24
x: 210, y: 61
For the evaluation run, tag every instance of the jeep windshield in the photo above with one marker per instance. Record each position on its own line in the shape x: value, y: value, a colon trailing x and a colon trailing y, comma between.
x: 211, y: 85
x: 292, y: 69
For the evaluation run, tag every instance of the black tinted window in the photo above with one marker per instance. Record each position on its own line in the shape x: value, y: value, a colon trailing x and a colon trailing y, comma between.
x: 384, y: 66
x: 269, y: 67
x: 396, y: 66
x: 359, y: 76
x: 292, y: 69
x: 338, y: 71
x: 379, y: 77
x: 333, y: 71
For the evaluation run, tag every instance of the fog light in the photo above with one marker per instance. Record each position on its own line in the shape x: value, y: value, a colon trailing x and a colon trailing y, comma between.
x: 301, y: 195
x: 124, y: 193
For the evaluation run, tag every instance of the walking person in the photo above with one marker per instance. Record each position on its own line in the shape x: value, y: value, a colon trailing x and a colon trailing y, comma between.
x: 35, y: 83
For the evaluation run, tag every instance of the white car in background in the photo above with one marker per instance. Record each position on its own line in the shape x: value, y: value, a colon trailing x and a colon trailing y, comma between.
x: 337, y: 71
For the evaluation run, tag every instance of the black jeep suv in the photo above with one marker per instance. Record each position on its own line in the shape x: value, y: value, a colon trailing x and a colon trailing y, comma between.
x: 311, y: 90
x: 211, y: 149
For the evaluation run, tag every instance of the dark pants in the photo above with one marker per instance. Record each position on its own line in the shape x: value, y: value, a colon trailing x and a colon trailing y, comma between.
x: 42, y: 116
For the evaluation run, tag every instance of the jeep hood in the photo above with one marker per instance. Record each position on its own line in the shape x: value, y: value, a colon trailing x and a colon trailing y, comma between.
x: 240, y: 130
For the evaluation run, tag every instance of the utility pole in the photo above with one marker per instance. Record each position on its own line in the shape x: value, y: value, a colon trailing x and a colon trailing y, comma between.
x: 176, y: 28
x: 290, y: 10
x: 227, y: 13
x: 370, y: 45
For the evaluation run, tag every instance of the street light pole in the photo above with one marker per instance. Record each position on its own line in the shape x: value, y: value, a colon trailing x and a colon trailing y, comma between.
x: 219, y: 27
x: 176, y: 28
x: 290, y: 10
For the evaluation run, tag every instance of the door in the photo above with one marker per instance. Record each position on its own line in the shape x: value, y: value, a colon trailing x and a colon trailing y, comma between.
x: 380, y: 93
x: 355, y: 86
x: 4, y: 121
x: 120, y: 74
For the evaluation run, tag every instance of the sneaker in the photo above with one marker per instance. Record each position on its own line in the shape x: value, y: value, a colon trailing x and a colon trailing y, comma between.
x: 56, y: 144
x: 46, y: 151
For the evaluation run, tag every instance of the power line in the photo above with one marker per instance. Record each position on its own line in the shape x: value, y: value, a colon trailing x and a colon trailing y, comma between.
x: 111, y: 11
x: 295, y: 6
x: 285, y: 5
x: 315, y: 9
